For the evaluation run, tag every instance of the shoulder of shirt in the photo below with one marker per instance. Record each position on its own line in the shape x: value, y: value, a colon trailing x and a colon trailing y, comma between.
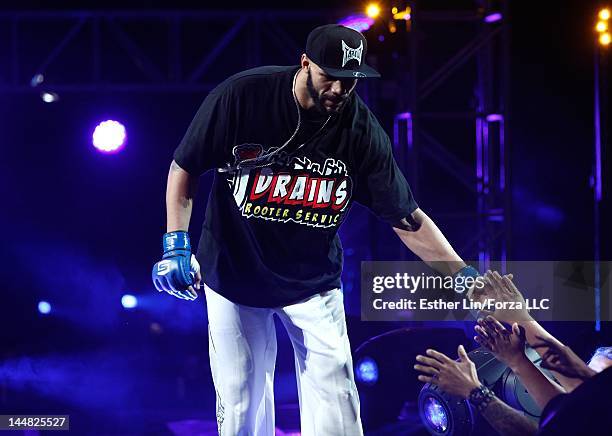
x: 363, y: 122
x: 258, y: 76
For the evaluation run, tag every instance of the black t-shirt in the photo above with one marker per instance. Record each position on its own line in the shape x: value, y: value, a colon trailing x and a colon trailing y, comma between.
x: 270, y: 231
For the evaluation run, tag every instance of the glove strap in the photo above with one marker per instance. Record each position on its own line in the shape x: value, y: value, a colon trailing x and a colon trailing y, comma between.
x: 466, y: 271
x: 173, y: 241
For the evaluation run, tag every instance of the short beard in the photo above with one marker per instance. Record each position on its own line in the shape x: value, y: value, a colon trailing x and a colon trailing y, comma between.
x: 318, y: 101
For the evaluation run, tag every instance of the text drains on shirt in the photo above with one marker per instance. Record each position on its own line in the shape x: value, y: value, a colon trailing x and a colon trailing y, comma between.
x: 292, y: 189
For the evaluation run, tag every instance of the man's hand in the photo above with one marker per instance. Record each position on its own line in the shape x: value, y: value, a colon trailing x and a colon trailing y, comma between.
x: 178, y: 273
x: 457, y: 377
x: 502, y: 289
x: 483, y: 289
x: 507, y: 346
x: 562, y: 359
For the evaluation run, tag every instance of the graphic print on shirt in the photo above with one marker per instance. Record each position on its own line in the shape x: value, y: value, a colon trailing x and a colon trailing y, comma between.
x: 290, y: 188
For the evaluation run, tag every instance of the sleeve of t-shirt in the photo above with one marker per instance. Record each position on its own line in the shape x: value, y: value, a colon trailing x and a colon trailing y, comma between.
x: 381, y: 186
x: 207, y: 142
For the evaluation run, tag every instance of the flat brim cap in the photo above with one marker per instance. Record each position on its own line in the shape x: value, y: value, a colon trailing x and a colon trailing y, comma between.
x: 340, y: 51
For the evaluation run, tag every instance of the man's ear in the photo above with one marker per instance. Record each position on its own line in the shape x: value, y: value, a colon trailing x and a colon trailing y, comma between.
x: 304, y: 61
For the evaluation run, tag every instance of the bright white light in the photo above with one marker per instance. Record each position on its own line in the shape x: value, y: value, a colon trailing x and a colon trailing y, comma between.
x: 129, y: 301
x: 373, y: 10
x: 49, y: 97
x: 601, y: 26
x: 109, y: 136
x: 44, y: 307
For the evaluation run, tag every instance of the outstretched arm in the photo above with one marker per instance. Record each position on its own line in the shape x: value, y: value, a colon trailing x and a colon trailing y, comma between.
x: 508, y: 346
x: 503, y: 289
x: 421, y: 235
x: 508, y: 421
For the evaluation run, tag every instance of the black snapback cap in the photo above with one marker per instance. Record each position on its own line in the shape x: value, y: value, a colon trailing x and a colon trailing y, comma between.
x: 340, y: 51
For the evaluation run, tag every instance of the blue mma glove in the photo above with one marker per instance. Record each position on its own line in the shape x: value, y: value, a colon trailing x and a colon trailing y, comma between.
x: 466, y: 271
x: 178, y: 270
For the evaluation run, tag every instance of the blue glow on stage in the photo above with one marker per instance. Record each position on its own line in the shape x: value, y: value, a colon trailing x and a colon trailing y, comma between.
x: 367, y: 371
x: 436, y: 415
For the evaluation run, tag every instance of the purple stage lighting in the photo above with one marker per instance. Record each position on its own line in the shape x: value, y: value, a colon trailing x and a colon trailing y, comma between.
x: 404, y: 116
x: 44, y: 307
x: 492, y: 18
x: 360, y: 23
x: 436, y: 416
x: 367, y: 371
x: 109, y: 136
x: 495, y: 117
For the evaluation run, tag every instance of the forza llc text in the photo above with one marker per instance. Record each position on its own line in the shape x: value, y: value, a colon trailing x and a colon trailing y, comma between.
x: 488, y: 304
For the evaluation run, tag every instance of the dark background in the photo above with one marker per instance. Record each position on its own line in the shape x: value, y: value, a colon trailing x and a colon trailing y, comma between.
x: 80, y: 229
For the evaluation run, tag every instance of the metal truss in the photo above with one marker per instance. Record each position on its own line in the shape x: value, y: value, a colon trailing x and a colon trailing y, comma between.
x: 488, y: 177
x: 144, y: 51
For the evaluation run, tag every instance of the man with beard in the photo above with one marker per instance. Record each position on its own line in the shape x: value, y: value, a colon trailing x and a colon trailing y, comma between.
x: 293, y: 147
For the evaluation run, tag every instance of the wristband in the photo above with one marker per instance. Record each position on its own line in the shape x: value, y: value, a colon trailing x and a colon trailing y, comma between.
x: 178, y: 240
x: 480, y: 397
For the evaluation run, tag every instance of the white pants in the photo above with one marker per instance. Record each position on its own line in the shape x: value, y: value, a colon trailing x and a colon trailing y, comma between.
x: 242, y: 346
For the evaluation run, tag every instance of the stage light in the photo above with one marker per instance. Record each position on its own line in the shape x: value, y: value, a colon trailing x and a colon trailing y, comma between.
x: 604, y: 39
x: 492, y: 18
x: 444, y: 414
x: 373, y: 10
x: 44, y: 307
x: 495, y: 117
x: 392, y: 27
x: 404, y: 116
x: 367, y: 371
x: 402, y: 15
x: 436, y: 415
x: 604, y: 14
x: 49, y: 97
x: 129, y: 301
x: 37, y: 79
x: 360, y: 23
x: 109, y: 136
x: 394, y: 10
x: 385, y: 376
x: 601, y: 26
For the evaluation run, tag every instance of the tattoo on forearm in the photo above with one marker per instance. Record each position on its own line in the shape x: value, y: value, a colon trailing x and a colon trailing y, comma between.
x: 185, y: 202
x: 408, y: 224
x: 508, y: 421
